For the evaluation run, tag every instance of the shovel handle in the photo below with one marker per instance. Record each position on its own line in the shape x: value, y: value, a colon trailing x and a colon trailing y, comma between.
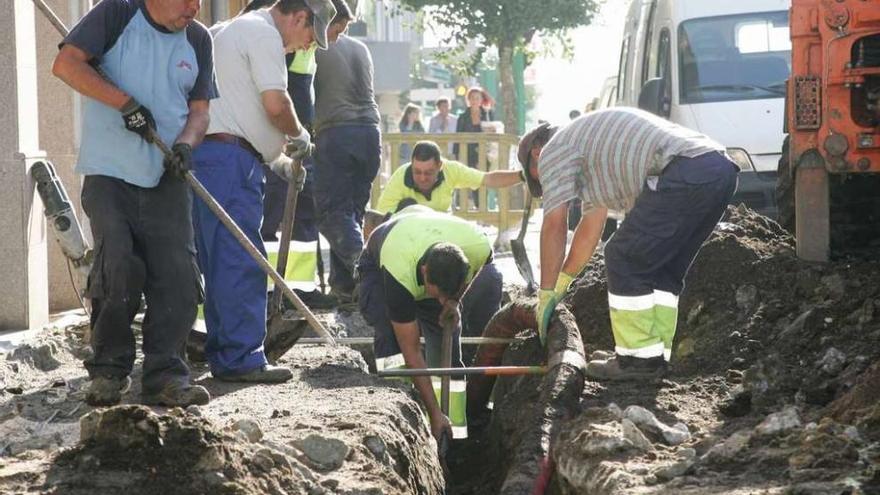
x: 527, y: 213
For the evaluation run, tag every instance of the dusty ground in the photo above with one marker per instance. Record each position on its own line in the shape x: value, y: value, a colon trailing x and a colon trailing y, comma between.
x: 775, y: 389
x: 332, y: 429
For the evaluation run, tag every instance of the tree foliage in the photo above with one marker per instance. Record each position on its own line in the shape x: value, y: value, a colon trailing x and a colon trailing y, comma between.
x: 504, y: 22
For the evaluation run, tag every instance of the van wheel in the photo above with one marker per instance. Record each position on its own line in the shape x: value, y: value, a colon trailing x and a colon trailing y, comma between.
x: 785, y: 190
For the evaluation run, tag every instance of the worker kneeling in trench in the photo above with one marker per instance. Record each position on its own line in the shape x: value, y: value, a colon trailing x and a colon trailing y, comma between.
x: 420, y: 271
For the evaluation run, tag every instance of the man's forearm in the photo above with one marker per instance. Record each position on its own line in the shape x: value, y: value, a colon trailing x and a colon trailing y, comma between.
x: 553, y: 233
x: 85, y: 80
x: 279, y: 110
x: 196, y: 126
x: 502, y: 178
x: 586, y: 238
x: 286, y: 122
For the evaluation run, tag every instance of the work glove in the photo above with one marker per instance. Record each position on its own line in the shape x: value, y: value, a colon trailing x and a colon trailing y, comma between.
x: 289, y: 170
x: 179, y: 162
x: 138, y: 119
x: 440, y: 426
x: 300, y: 147
x: 547, y: 301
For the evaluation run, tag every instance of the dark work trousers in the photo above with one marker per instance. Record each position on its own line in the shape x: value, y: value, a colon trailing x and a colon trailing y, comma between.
x: 483, y: 295
x: 305, y: 225
x: 235, y: 286
x: 143, y: 244
x: 662, y: 234
x: 346, y: 162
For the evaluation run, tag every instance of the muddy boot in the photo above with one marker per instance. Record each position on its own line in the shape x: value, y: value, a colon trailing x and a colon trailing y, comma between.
x: 623, y: 368
x: 106, y: 391
x: 177, y: 395
x: 266, y: 374
x: 282, y: 333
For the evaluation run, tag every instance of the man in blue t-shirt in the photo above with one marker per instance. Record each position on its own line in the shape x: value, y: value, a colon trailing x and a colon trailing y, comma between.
x: 159, y: 72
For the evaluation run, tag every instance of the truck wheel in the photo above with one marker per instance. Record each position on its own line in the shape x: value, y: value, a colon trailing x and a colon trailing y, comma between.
x: 785, y: 190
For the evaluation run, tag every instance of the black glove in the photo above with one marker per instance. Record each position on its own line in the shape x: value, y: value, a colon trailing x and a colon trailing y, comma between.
x: 179, y: 162
x: 138, y: 119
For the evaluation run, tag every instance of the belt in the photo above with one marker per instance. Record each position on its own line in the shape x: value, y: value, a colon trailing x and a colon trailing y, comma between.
x: 240, y: 142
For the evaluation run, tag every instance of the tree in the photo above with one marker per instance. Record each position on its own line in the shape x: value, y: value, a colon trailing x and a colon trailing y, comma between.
x: 508, y: 25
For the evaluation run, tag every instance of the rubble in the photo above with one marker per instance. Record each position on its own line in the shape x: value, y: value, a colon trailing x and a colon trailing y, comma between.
x: 647, y: 422
x: 779, y: 422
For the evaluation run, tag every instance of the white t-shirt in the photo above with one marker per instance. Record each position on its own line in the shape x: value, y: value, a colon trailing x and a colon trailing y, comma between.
x: 248, y: 59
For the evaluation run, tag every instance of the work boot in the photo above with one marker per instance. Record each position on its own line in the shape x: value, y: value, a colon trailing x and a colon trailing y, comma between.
x: 107, y: 391
x: 624, y: 368
x: 174, y: 394
x: 266, y: 374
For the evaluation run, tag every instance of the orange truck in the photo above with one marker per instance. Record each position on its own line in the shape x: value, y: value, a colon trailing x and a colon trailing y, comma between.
x: 828, y: 190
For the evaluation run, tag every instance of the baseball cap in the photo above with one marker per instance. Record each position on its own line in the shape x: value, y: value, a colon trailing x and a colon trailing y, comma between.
x: 324, y: 12
x: 541, y: 134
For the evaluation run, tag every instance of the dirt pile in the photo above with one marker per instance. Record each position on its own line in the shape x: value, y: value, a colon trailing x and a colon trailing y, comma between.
x: 133, y: 450
x: 770, y: 389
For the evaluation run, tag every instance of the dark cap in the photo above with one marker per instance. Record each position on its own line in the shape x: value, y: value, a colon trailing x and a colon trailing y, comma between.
x: 539, y: 135
x: 324, y: 12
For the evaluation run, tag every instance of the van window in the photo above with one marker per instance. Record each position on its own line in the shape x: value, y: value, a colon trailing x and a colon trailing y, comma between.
x: 623, y: 68
x: 739, y: 57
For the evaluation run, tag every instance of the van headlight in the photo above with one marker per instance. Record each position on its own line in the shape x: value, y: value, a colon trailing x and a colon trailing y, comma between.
x: 741, y: 158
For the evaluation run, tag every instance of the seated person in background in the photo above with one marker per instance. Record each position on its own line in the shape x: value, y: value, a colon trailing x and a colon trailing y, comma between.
x: 430, y: 180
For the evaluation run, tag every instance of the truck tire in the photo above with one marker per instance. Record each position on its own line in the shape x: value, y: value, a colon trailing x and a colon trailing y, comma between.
x: 785, y: 190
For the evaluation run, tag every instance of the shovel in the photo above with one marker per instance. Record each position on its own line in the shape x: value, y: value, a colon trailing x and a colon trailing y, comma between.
x: 519, y: 249
x: 284, y: 328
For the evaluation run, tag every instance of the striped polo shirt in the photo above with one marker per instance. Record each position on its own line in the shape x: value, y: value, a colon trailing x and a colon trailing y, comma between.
x: 605, y: 157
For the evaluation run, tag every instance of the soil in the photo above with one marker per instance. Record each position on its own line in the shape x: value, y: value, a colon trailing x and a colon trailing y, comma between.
x: 333, y: 429
x: 762, y: 338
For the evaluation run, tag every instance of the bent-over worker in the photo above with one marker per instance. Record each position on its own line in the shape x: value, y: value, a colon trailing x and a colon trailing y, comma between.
x: 416, y: 270
x: 673, y: 182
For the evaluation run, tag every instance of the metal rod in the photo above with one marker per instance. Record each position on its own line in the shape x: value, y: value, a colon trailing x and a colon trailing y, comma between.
x: 218, y: 210
x: 369, y: 340
x: 446, y: 362
x: 286, y: 233
x: 494, y: 371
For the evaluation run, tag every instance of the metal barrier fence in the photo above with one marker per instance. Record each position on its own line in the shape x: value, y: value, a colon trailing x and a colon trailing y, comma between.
x: 495, y: 152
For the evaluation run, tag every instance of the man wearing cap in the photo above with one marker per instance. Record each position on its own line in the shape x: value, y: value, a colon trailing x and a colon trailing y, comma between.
x: 430, y: 180
x: 413, y: 272
x: 673, y: 182
x: 249, y: 125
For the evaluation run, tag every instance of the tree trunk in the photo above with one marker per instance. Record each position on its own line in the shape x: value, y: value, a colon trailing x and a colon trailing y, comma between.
x: 508, y: 87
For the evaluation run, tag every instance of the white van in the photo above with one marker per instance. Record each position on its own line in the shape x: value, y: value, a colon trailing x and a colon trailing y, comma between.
x: 718, y: 68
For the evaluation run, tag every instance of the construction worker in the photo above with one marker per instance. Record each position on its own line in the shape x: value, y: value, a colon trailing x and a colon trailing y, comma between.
x: 249, y: 124
x: 674, y: 184
x: 413, y: 273
x: 430, y: 180
x: 301, y: 67
x: 347, y: 154
x: 159, y: 65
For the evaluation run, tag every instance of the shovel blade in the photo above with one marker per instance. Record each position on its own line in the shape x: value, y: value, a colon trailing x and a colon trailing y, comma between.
x: 522, y: 263
x: 283, y: 330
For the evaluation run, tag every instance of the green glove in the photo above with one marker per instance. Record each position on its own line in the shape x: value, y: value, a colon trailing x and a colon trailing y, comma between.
x: 547, y: 301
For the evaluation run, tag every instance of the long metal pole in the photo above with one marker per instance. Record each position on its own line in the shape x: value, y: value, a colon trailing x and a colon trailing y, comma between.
x: 369, y: 340
x: 491, y: 371
x: 218, y: 210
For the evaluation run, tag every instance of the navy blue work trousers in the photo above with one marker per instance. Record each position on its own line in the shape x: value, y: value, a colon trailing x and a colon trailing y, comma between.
x: 662, y: 234
x: 346, y: 162
x: 235, y: 286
